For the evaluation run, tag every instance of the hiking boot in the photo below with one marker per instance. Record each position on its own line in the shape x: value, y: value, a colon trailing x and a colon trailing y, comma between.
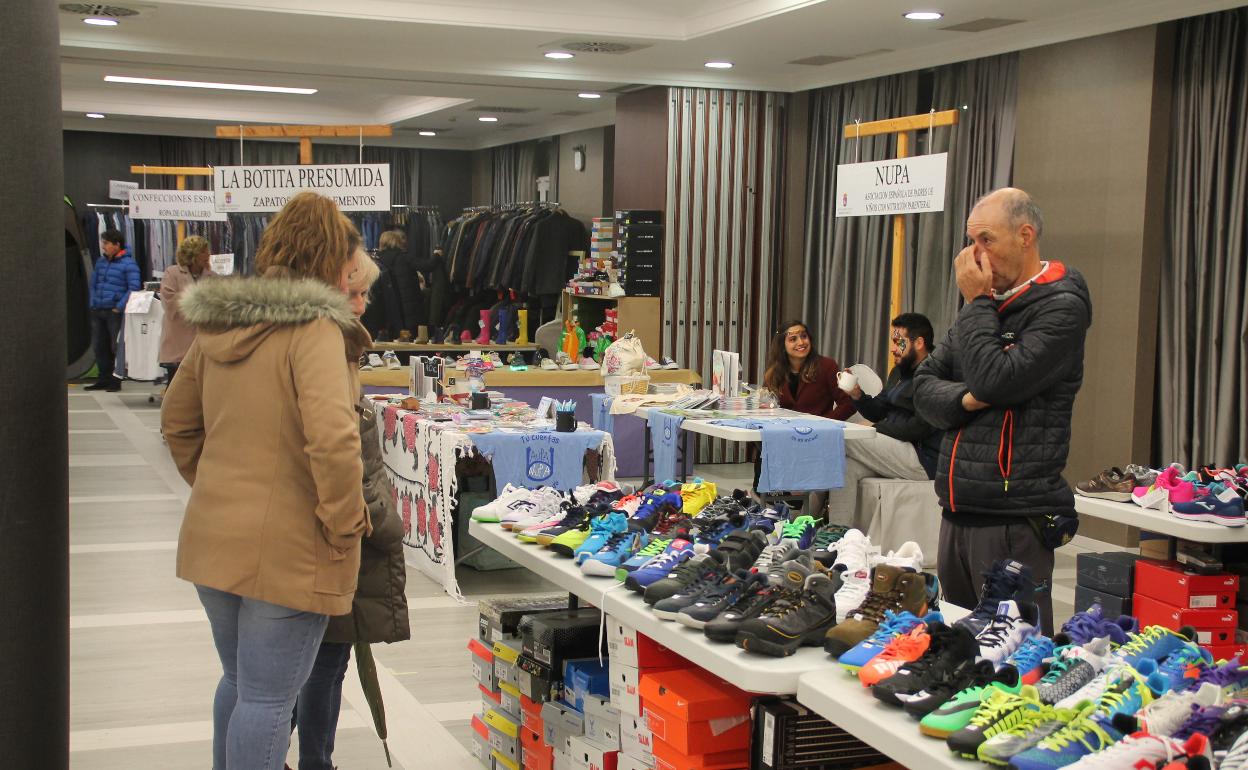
x: 805, y: 621
x: 892, y: 588
x: 756, y: 600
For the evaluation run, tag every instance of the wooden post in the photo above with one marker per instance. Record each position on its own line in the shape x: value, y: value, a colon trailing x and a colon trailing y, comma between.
x: 305, y: 151
x: 899, y: 246
x: 303, y: 133
x: 180, y: 179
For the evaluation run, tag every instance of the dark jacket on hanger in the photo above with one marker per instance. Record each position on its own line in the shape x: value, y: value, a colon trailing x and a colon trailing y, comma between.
x: 821, y: 397
x: 1024, y: 356
x: 402, y: 271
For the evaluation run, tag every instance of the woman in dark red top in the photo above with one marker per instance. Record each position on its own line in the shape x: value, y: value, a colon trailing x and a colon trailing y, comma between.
x: 803, y: 380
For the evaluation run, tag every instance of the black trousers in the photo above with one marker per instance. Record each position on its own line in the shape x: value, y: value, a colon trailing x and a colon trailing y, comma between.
x: 105, y: 327
x: 965, y: 553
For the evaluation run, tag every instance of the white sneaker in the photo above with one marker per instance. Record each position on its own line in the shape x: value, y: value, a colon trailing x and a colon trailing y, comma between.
x: 525, y: 512
x: 374, y: 361
x: 1096, y: 688
x: 392, y: 360
x: 1003, y: 636
x: 856, y: 554
x: 493, y: 511
x: 565, y: 362
x: 908, y: 555
x: 549, y: 365
x: 588, y: 363
x: 365, y: 366
x: 652, y: 364
x: 582, y: 493
x: 667, y: 363
x: 1167, y: 714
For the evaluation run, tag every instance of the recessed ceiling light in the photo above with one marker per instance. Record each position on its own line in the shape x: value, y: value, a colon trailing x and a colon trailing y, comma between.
x: 96, y: 115
x: 487, y: 119
x: 100, y: 21
x: 203, y: 84
x: 589, y: 95
x: 559, y: 55
x: 719, y: 65
x: 427, y: 133
x: 924, y: 15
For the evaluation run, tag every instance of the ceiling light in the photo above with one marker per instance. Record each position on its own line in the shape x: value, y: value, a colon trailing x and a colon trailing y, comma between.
x: 96, y: 115
x: 100, y: 21
x: 202, y: 84
x: 924, y: 15
x: 487, y: 119
x: 589, y: 95
x: 719, y: 65
x: 559, y: 55
x: 427, y: 133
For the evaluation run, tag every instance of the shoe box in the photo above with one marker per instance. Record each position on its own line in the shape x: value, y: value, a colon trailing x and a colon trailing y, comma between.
x: 560, y: 724
x: 693, y: 713
x: 537, y: 681
x: 1214, y: 628
x: 625, y: 217
x: 483, y: 664
x: 506, y: 654
x: 504, y: 735
x: 585, y: 678
x: 554, y: 637
x: 630, y: 648
x: 587, y: 754
x: 1171, y: 583
x: 636, y: 740
x: 1112, y: 605
x: 626, y: 688
x: 788, y: 736
x: 1110, y: 573
x: 643, y: 284
x: 625, y: 762
x: 603, y: 722
x: 500, y: 618
x: 668, y: 758
x: 531, y: 714
x: 480, y: 747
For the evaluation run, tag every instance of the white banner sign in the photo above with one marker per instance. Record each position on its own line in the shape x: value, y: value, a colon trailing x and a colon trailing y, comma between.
x: 120, y: 191
x: 197, y: 205
x: 221, y: 264
x: 901, y: 186
x: 363, y: 187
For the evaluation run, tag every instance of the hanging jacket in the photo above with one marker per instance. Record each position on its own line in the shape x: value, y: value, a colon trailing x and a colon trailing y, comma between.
x: 1024, y: 356
x: 113, y: 280
x: 892, y: 414
x: 401, y: 269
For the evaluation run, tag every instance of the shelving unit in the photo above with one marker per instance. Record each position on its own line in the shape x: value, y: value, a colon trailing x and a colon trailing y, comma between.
x: 641, y: 315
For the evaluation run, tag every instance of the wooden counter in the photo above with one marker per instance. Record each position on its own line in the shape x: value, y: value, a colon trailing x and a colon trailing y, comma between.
x: 533, y: 378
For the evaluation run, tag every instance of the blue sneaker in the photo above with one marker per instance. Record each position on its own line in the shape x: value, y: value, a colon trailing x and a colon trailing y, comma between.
x: 1178, y: 664
x: 1086, y: 734
x: 1130, y: 692
x: 652, y: 550
x: 618, y: 548
x: 1091, y: 624
x: 652, y: 509
x: 1153, y: 643
x: 679, y: 552
x: 600, y: 531
x: 1218, y: 505
x: 894, y: 624
x: 1030, y: 656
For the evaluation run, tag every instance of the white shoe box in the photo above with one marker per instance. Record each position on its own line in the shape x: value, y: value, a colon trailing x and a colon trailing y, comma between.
x: 587, y: 755
x: 636, y: 740
x: 602, y: 722
x: 626, y: 762
x: 563, y: 761
x: 625, y: 689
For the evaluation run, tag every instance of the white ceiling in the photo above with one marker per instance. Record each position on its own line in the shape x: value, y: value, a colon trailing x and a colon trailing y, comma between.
x: 435, y: 65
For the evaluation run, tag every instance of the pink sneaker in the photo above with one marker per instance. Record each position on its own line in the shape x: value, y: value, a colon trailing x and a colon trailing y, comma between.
x: 1170, y: 487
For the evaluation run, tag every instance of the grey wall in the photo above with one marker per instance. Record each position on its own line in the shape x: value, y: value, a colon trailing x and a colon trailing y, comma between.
x: 445, y: 180
x: 583, y: 194
x: 91, y: 159
x: 481, y: 175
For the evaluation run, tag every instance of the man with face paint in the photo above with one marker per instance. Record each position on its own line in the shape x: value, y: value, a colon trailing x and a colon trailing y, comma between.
x: 905, y: 445
x: 1002, y: 385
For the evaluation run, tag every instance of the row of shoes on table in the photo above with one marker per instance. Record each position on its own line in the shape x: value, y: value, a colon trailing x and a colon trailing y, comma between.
x: 1210, y: 494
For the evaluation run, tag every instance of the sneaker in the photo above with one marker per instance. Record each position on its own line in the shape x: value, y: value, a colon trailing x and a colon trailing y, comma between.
x: 1086, y: 734
x: 1074, y: 668
x: 374, y: 362
x: 618, y: 548
x: 391, y: 360
x: 970, y: 676
x: 587, y: 362
x: 1034, y: 725
x: 800, y: 530
x: 909, y: 555
x: 956, y: 712
x: 892, y: 588
x: 714, y: 574
x: 1229, y: 676
x: 576, y: 518
x: 1218, y: 505
x: 1014, y: 622
x: 894, y: 625
x: 1005, y: 580
x: 1139, y: 749
x: 667, y: 363
x: 1101, y: 683
x: 823, y: 547
x: 1184, y: 665
x: 1128, y: 693
x: 854, y: 557
x: 561, y: 519
x: 601, y: 530
x: 539, y: 505
x: 775, y: 555
x: 548, y: 364
x: 718, y: 598
x: 949, y: 646
x: 695, y: 497
x: 1083, y: 627
x: 662, y: 566
x: 681, y: 577
x: 565, y: 362
x: 741, y: 548
x: 1000, y: 710
x: 1153, y: 643
x: 804, y: 621
x: 1112, y: 484
x: 1030, y: 657
x: 493, y: 512
x: 586, y: 492
x: 1169, y: 487
x: 1168, y: 713
x: 1142, y: 473
x: 755, y: 601
x: 567, y: 543
x: 903, y: 649
x: 652, y: 549
x: 652, y: 364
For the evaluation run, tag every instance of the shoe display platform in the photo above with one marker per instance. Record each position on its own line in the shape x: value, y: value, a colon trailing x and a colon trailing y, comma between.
x: 1161, y: 522
x: 531, y: 378
x: 703, y: 425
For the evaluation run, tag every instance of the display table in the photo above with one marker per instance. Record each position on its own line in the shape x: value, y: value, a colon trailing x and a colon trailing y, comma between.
x: 1162, y: 523
x: 434, y: 347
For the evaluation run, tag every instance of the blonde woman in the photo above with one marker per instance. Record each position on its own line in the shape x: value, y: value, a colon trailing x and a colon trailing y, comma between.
x: 261, y: 422
x: 176, y: 334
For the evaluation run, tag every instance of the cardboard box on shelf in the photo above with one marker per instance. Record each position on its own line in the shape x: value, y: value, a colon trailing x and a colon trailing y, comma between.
x: 588, y: 755
x: 504, y: 734
x: 480, y: 746
x: 483, y: 664
x: 583, y: 678
x: 1170, y: 583
x: 625, y: 762
x: 554, y: 637
x: 506, y: 655
x: 499, y: 618
x: 510, y: 701
x: 625, y: 689
x: 701, y: 737
x: 630, y: 648
x: 561, y: 722
x: 534, y: 752
x: 1112, y: 572
x: 668, y: 758
x: 504, y: 762
x: 539, y: 761
x: 538, y: 681
x: 563, y: 761
x: 1213, y: 627
x: 636, y: 740
x: 490, y: 700
x: 532, y: 713
x: 789, y: 736
x: 693, y: 695
x: 602, y: 722
x: 1112, y: 605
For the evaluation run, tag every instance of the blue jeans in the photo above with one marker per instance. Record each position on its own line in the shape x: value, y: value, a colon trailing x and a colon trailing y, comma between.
x: 320, y: 701
x: 266, y: 654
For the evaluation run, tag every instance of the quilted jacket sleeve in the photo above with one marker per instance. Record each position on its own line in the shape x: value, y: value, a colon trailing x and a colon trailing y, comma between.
x: 937, y: 396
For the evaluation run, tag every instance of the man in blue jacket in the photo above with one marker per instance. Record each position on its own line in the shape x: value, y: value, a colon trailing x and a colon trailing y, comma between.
x: 1002, y: 385
x: 115, y: 276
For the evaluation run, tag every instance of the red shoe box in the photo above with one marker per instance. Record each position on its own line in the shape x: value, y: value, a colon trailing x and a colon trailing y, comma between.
x: 694, y: 713
x: 1213, y: 627
x: 629, y: 648
x: 532, y: 714
x: 1228, y: 651
x: 535, y: 750
x: 698, y: 737
x: 539, y: 761
x: 1168, y: 582
x: 667, y: 757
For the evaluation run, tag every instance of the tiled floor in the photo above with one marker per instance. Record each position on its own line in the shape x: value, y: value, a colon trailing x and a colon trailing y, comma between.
x: 142, y: 663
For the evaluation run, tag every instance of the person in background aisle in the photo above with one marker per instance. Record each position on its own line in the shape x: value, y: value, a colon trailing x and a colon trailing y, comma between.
x: 398, y: 292
x: 114, y: 277
x: 1003, y: 384
x: 176, y: 334
x: 803, y: 380
x: 379, y: 611
x: 261, y: 422
x: 905, y: 446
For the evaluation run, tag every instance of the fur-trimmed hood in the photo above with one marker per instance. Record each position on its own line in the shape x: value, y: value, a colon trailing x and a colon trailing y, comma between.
x: 233, y: 316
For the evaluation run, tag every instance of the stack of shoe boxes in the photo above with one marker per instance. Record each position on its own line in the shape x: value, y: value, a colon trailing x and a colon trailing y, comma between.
x: 639, y: 245
x: 1167, y: 594
x: 633, y: 655
x: 597, y: 272
x: 698, y: 722
x: 1106, y: 579
x: 560, y: 670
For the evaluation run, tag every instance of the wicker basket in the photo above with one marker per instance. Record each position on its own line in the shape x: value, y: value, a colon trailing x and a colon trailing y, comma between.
x: 627, y: 384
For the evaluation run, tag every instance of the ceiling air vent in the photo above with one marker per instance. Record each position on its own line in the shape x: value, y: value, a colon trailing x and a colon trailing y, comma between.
x: 98, y: 9
x: 597, y: 46
x: 981, y: 25
x: 819, y: 61
x: 503, y: 110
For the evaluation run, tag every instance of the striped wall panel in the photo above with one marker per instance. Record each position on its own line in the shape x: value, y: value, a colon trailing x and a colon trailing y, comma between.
x: 724, y: 195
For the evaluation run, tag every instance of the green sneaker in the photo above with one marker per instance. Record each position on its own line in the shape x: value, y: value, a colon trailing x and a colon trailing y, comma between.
x: 999, y: 712
x: 567, y: 543
x: 801, y: 529
x: 637, y: 560
x: 1035, y: 726
x: 956, y: 713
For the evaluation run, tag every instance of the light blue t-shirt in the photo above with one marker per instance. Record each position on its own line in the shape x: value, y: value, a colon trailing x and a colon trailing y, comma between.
x: 664, y: 441
x: 549, y: 458
x: 600, y: 406
x: 799, y: 455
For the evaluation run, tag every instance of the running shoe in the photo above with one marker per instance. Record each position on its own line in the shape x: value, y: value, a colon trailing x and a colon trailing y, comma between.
x: 493, y: 511
x: 1217, y: 504
x: 948, y: 648
x: 956, y: 712
x: 1034, y: 726
x: 1073, y: 668
x: 618, y: 548
x: 801, y: 530
x: 854, y: 556
x: 1006, y: 580
x: 538, y: 505
x: 652, y: 549
x: 707, y: 582
x: 1014, y: 623
x: 1113, y: 484
x: 699, y: 568
x: 775, y: 554
x: 999, y: 711
x: 1030, y: 657
x: 1086, y: 734
x: 823, y: 547
x: 567, y: 542
x: 1141, y: 749
x: 716, y: 599
x: 696, y: 496
x: 543, y: 533
x: 904, y: 648
x: 1168, y: 713
x: 601, y: 530
x: 971, y: 675
x: 1153, y: 643
x: 1114, y: 671
x: 663, y: 566
x: 755, y: 600
x: 894, y: 625
x: 1083, y: 627
x: 1229, y: 676
x: 1184, y: 665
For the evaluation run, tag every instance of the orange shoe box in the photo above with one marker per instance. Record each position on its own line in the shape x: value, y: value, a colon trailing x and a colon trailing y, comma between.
x: 695, y: 713
x: 668, y: 758
x: 539, y: 762
x: 532, y: 714
x: 722, y: 734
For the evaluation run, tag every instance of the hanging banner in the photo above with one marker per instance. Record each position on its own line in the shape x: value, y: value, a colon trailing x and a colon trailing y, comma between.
x: 364, y: 187
x: 191, y: 205
x: 900, y: 186
x: 120, y: 191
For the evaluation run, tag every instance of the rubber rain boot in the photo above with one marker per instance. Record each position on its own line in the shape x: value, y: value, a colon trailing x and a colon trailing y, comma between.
x: 484, y: 337
x: 522, y: 316
x: 504, y: 325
